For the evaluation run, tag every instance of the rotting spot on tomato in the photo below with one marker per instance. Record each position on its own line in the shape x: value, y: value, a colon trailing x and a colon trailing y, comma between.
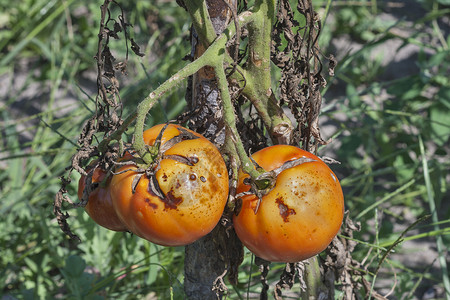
x: 285, y: 211
x: 170, y: 201
x: 151, y: 204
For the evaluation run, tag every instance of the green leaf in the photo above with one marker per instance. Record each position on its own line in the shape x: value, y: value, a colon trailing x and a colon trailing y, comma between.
x: 75, y: 266
x: 440, y: 128
x: 353, y: 96
x: 402, y: 172
x: 438, y: 58
x: 444, y: 96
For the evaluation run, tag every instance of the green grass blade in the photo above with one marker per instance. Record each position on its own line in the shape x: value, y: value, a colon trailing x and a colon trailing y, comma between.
x: 439, y: 242
x: 39, y: 28
x: 386, y: 198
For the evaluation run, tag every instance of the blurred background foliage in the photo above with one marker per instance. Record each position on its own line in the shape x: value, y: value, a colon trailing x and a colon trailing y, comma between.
x: 387, y: 110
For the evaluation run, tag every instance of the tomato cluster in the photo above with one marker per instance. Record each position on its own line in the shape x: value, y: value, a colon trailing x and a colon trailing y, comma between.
x: 180, y: 202
x: 182, y: 197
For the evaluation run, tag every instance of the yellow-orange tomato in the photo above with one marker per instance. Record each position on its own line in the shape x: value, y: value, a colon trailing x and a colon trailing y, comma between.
x: 192, y: 179
x: 299, y: 217
x: 99, y: 206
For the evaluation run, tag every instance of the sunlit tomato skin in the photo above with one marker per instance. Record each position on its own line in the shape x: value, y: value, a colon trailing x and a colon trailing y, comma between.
x: 193, y: 198
x: 299, y: 217
x: 99, y: 206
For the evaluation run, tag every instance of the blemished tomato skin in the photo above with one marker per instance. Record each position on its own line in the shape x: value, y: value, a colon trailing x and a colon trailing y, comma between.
x: 99, y: 206
x: 299, y: 217
x: 195, y: 194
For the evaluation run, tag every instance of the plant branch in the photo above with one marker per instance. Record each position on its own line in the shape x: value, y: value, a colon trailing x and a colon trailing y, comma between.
x: 208, y: 58
x: 315, y: 288
x: 144, y: 107
x: 204, y: 30
x: 217, y: 57
x: 230, y: 120
x: 201, y: 21
x: 258, y: 88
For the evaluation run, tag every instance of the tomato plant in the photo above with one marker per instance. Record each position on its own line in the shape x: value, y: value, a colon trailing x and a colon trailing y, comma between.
x: 99, y: 206
x: 184, y: 197
x: 300, y: 216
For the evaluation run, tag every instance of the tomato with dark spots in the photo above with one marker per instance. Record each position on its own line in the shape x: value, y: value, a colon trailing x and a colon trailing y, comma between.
x: 183, y: 208
x: 285, y: 211
x: 299, y: 217
x: 170, y: 201
x: 153, y: 205
x: 99, y: 206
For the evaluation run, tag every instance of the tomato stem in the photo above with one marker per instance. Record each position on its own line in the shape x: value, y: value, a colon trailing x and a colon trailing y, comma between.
x: 313, y: 279
x: 201, y: 21
x: 230, y: 120
x: 259, y: 76
x: 144, y: 107
x: 217, y: 46
x: 208, y: 58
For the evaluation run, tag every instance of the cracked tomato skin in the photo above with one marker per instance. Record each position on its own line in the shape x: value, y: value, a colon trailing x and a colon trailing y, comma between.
x: 299, y: 217
x: 99, y: 206
x: 194, y: 196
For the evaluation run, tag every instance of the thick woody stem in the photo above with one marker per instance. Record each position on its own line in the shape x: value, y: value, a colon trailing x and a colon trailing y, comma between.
x: 207, y: 260
x: 315, y: 288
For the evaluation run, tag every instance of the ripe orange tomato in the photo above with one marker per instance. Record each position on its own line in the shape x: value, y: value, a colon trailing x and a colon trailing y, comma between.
x: 192, y: 180
x: 299, y: 217
x: 99, y: 206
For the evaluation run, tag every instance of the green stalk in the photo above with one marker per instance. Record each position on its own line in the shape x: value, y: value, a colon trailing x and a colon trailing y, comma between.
x: 201, y: 21
x: 206, y: 33
x: 208, y: 58
x: 259, y: 44
x: 230, y: 120
x: 144, y: 107
x: 258, y: 73
x: 313, y: 280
